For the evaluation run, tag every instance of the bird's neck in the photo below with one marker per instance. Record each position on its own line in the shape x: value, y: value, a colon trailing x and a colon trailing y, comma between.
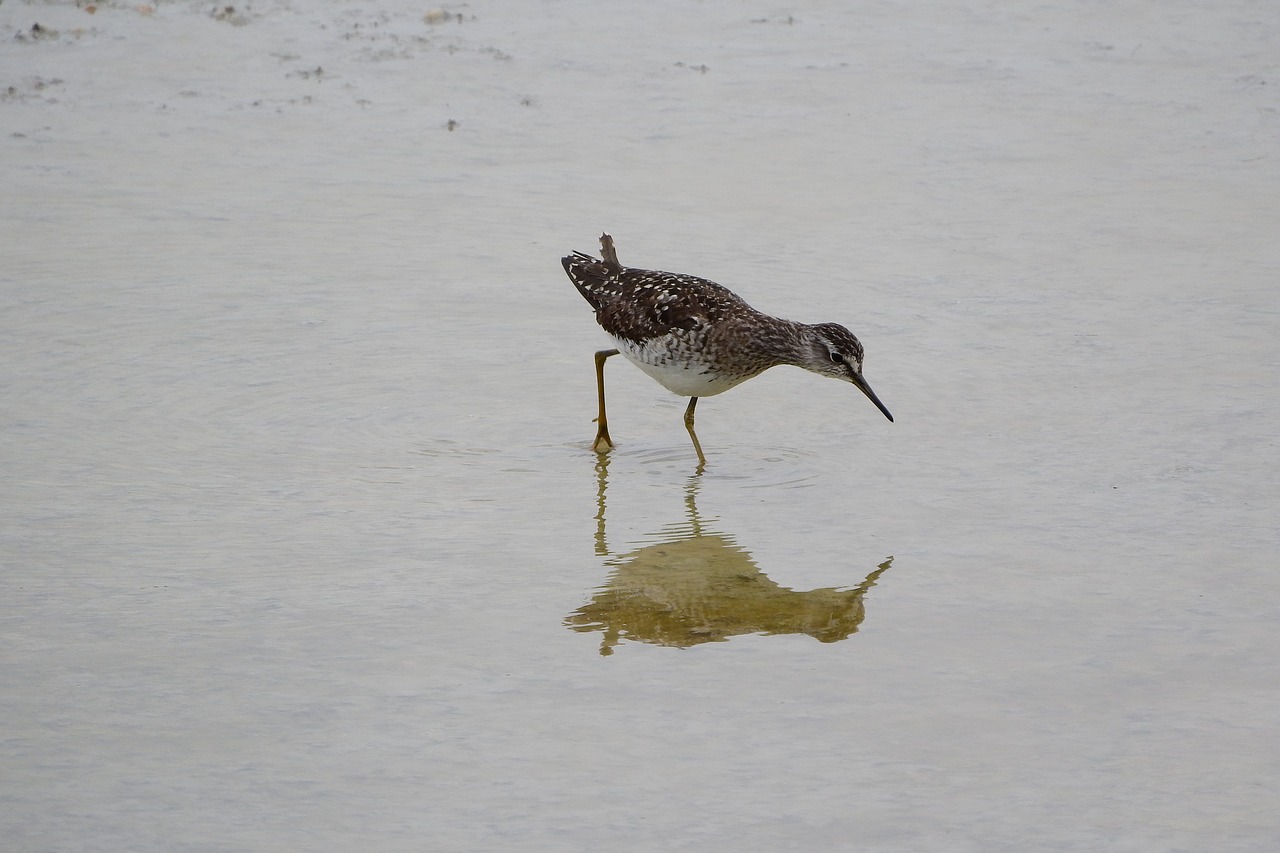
x: 780, y: 341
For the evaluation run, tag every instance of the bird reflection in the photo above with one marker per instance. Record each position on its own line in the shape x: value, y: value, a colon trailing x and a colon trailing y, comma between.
x: 698, y: 585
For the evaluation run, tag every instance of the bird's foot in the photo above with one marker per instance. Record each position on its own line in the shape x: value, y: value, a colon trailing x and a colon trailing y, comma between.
x: 603, y: 442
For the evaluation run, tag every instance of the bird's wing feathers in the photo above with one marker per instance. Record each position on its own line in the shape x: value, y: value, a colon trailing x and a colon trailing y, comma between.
x: 637, y: 305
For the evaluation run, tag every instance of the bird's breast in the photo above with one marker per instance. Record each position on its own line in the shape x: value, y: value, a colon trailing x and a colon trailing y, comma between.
x: 677, y: 363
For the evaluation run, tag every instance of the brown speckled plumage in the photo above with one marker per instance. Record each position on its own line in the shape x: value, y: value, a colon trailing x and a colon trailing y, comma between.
x: 698, y: 338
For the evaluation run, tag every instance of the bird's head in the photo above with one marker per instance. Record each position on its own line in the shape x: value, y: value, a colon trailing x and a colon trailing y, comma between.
x: 835, y: 352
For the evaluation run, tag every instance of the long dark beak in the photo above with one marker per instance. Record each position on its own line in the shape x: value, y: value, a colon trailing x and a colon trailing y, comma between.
x: 866, y: 389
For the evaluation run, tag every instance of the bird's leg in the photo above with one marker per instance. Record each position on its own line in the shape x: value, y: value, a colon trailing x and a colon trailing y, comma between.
x: 602, y: 442
x: 688, y: 424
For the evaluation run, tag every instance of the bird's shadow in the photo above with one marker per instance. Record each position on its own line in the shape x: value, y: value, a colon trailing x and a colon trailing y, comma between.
x: 698, y: 585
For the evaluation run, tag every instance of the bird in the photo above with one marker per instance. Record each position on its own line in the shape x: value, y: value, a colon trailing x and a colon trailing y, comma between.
x: 697, y: 338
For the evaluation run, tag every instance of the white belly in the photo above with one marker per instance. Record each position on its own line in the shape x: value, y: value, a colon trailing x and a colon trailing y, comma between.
x: 678, y: 368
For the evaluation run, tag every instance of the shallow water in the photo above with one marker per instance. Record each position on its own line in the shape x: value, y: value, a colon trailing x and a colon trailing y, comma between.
x: 303, y: 543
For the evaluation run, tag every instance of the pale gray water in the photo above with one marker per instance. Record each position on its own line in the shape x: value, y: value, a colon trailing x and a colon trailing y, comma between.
x: 299, y: 519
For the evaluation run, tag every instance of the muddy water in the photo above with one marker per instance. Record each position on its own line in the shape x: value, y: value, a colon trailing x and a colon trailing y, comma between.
x: 304, y: 547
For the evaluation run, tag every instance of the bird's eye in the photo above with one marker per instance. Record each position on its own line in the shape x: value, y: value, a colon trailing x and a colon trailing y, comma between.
x: 836, y: 357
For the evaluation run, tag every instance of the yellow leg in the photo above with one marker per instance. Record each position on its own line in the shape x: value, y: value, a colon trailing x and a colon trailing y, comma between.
x: 602, y: 442
x: 688, y: 424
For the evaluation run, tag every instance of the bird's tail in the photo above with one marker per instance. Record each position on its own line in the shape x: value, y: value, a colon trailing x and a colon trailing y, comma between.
x: 590, y: 274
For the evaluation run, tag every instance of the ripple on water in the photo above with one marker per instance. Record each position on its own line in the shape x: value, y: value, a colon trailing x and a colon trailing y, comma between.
x: 754, y: 468
x: 776, y: 468
x: 445, y: 448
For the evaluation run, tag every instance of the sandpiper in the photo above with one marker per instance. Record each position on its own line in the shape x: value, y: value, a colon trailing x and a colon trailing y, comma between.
x: 697, y: 338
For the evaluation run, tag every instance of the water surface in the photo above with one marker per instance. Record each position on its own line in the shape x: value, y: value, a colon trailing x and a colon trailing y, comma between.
x: 303, y: 546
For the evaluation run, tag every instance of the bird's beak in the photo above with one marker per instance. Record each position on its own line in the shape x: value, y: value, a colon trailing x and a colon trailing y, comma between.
x: 856, y: 378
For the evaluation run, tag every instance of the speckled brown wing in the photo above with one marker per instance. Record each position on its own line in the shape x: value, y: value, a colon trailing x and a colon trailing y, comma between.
x: 639, y: 305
